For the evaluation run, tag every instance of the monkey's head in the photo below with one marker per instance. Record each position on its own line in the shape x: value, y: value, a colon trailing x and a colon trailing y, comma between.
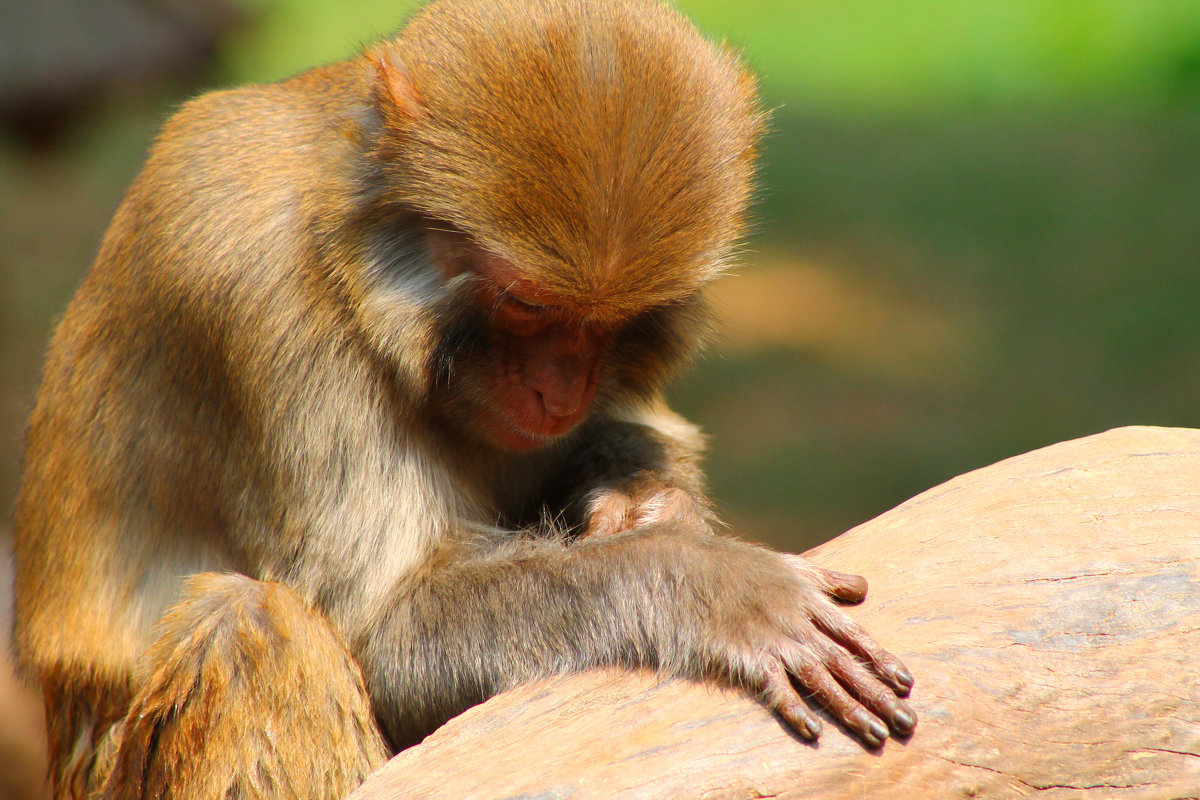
x: 583, y: 170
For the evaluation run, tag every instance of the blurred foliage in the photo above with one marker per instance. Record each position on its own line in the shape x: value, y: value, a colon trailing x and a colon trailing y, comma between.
x: 910, y: 56
x: 1059, y: 253
x: 857, y: 56
x: 985, y: 215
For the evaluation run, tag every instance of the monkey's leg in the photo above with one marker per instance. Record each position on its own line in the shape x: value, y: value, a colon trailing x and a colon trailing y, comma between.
x: 248, y: 694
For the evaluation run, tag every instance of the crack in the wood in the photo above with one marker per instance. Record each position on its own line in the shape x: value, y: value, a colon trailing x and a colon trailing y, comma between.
x: 986, y: 769
x: 1088, y: 786
x: 1166, y: 750
x: 1045, y: 787
x: 1057, y: 578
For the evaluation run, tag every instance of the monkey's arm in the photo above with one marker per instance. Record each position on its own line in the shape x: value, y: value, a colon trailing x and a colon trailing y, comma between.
x: 471, y: 625
x: 635, y: 468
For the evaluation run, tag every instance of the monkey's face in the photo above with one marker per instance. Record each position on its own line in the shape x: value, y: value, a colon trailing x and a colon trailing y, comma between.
x: 545, y: 367
x: 521, y: 363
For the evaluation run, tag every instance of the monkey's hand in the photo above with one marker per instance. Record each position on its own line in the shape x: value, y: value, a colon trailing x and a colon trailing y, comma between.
x: 648, y: 501
x: 830, y: 657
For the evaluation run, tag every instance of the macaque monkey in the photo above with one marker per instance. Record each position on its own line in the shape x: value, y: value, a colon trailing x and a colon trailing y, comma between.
x: 356, y: 421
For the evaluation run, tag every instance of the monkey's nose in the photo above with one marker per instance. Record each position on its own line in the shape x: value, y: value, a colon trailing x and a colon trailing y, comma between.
x: 561, y: 402
x: 562, y: 387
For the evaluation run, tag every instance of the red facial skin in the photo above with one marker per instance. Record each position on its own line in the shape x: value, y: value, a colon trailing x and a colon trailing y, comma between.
x: 547, y: 362
x: 547, y: 357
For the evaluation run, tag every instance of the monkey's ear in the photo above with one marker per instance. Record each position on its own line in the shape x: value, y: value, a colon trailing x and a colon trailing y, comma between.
x: 394, y: 93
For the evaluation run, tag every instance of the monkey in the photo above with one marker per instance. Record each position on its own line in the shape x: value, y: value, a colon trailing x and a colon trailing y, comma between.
x: 357, y: 418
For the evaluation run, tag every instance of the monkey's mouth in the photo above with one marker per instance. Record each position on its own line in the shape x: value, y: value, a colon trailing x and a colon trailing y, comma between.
x: 520, y: 417
x: 500, y: 426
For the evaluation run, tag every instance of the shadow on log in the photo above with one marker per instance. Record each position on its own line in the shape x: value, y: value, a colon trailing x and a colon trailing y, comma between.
x: 1048, y: 605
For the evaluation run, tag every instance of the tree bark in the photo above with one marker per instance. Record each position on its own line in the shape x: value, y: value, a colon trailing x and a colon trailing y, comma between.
x: 1048, y: 606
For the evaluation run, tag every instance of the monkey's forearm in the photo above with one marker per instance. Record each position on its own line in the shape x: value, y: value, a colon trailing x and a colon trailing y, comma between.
x: 471, y: 628
x: 660, y: 596
x: 658, y: 443
x: 626, y: 474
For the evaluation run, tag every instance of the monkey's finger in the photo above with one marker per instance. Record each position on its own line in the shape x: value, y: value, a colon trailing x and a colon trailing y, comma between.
x: 817, y: 679
x: 846, y: 632
x: 610, y: 513
x: 838, y: 585
x: 841, y: 585
x: 871, y: 692
x: 671, y: 503
x: 779, y: 695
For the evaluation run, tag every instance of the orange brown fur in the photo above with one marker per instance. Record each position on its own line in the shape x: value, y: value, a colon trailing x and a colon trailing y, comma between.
x: 585, y: 105
x: 232, y: 651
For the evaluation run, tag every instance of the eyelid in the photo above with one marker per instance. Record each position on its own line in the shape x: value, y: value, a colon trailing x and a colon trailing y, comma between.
x: 522, y: 304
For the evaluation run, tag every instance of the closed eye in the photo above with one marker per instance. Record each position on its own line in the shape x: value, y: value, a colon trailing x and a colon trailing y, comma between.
x: 520, y: 306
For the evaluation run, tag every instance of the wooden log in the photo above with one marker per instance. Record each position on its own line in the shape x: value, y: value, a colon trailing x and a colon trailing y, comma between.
x: 1048, y: 605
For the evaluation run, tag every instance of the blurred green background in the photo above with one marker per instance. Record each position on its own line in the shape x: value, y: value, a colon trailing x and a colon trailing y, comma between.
x: 979, y: 229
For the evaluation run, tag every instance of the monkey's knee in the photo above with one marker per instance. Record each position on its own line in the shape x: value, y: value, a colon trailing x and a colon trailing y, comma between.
x: 248, y: 693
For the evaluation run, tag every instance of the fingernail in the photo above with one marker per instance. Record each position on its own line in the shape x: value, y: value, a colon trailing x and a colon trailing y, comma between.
x: 904, y: 677
x: 904, y: 721
x: 878, y: 731
x: 812, y: 729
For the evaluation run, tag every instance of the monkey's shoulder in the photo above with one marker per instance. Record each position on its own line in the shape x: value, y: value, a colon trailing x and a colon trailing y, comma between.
x: 262, y: 134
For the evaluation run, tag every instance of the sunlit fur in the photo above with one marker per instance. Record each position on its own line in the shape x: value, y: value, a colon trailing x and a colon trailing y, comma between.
x: 584, y: 106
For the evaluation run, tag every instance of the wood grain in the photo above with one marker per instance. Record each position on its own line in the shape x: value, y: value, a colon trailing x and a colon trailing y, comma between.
x: 1048, y: 605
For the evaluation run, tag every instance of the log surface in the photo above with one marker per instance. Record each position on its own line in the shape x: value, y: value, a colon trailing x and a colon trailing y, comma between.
x: 1048, y: 606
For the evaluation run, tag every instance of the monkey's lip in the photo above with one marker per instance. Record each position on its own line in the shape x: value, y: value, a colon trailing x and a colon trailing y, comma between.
x: 512, y: 435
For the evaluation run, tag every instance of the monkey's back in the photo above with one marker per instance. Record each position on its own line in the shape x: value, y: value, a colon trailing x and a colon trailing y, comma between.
x: 130, y: 460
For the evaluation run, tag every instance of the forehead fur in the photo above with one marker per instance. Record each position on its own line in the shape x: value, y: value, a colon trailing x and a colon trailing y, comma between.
x: 603, y: 147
